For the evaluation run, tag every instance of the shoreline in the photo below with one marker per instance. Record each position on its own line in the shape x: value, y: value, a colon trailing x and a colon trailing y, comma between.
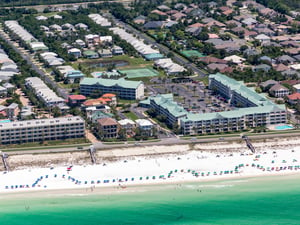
x: 135, y: 188
x: 126, y: 170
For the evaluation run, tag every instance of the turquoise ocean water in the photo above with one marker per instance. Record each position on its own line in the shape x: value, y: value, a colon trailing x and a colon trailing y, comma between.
x: 268, y: 200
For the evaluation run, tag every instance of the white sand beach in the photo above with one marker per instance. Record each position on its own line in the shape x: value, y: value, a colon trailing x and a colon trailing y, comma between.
x: 201, y: 162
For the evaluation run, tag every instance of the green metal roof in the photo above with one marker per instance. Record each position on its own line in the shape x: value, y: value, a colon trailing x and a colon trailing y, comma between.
x: 240, y: 88
x: 166, y: 96
x: 233, y: 114
x: 110, y: 82
x: 100, y: 114
x: 168, y: 104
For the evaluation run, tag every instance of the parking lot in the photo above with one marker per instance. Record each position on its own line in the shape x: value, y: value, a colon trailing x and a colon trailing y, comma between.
x: 193, y: 96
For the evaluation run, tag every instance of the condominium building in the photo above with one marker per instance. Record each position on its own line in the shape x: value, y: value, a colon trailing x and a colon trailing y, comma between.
x: 42, y: 130
x: 43, y: 92
x: 122, y: 88
x: 166, y: 106
x: 254, y: 109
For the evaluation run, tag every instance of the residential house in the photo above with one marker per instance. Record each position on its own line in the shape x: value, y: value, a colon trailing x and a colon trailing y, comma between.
x: 279, y: 91
x: 265, y: 59
x: 105, y: 39
x: 139, y: 20
x: 3, y: 91
x: 75, y: 52
x: 153, y: 25
x: 9, y: 87
x: 249, y: 21
x: 297, y: 87
x: 280, y: 67
x: 80, y: 43
x: 81, y: 26
x: 108, y: 128
x: 178, y: 16
x: 261, y: 67
x: 92, y: 39
x: 55, y: 27
x: 26, y: 112
x: 235, y: 59
x: 105, y: 53
x: 76, y: 100
x: 163, y: 8
x: 70, y: 74
x: 12, y: 111
x: 97, y: 114
x: 216, y: 66
x: 262, y: 38
x: 116, y: 50
x: 128, y: 125
x: 90, y: 54
x: 41, y: 18
x: 286, y: 59
x: 146, y: 127
x: 268, y: 84
x: 294, y: 98
x: 197, y: 13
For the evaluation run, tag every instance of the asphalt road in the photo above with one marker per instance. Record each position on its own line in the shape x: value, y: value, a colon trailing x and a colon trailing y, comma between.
x: 163, y: 49
x: 60, y: 91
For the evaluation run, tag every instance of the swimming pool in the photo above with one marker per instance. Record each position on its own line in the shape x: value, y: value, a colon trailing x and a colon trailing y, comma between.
x: 284, y: 127
x: 5, y: 121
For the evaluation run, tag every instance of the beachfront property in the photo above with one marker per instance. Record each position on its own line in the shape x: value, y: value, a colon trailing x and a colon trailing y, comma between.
x: 108, y: 127
x: 42, y: 130
x: 43, y: 92
x: 146, y: 127
x: 165, y: 105
x: 254, y: 110
x: 128, y: 125
x: 122, y: 88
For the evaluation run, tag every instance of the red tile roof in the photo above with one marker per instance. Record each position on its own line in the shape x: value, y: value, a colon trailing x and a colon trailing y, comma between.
x: 107, y: 122
x: 77, y: 97
x: 294, y: 96
x: 108, y: 95
x: 290, y: 82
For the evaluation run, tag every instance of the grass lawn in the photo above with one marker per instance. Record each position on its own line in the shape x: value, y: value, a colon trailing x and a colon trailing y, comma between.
x: 132, y: 61
x: 48, y: 144
x: 49, y: 14
x: 126, y: 101
x: 69, y: 86
x: 131, y: 115
x: 146, y: 80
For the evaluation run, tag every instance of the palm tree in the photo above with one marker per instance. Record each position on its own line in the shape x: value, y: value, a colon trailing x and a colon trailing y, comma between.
x: 189, y: 101
x: 194, y: 90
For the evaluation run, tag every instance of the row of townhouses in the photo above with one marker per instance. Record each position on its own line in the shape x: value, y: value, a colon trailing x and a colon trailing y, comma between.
x: 43, y: 92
